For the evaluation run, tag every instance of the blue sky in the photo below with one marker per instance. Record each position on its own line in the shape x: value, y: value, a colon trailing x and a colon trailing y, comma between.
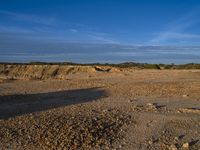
x: 71, y: 30
x: 142, y: 22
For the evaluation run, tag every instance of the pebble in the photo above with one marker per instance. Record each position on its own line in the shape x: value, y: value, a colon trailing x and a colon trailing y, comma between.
x: 185, y: 145
x: 150, y: 142
x: 176, y: 139
x: 173, y: 147
x: 185, y: 95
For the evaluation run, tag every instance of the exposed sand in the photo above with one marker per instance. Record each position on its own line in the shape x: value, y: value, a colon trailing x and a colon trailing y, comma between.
x: 138, y: 109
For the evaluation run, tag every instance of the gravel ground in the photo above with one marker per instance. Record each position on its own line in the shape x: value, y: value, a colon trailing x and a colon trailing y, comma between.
x: 139, y: 110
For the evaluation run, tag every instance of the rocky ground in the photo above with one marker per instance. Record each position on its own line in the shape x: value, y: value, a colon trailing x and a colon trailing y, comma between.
x: 133, y: 109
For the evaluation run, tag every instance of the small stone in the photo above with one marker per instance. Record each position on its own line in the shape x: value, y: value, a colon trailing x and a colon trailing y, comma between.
x: 149, y: 104
x: 176, y: 139
x: 107, y: 147
x: 150, y: 142
x: 185, y: 145
x: 185, y: 95
x: 104, y: 110
x: 173, y: 147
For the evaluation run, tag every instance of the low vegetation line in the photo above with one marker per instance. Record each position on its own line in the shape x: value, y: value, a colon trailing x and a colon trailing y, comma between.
x: 120, y: 65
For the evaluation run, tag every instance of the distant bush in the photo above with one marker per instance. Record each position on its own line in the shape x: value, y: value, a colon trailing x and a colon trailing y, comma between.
x: 121, y: 65
x: 151, y: 66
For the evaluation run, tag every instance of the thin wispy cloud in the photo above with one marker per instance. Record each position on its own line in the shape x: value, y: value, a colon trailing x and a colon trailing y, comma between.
x: 73, y: 30
x: 51, y: 28
x: 14, y: 29
x: 28, y: 17
x: 164, y: 37
x: 44, y: 20
x: 176, y: 30
x: 103, y: 39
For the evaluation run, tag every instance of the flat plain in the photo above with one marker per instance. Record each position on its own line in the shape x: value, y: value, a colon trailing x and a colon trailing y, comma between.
x: 135, y: 109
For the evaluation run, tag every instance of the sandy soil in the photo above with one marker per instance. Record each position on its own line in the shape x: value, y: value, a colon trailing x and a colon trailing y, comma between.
x: 138, y: 110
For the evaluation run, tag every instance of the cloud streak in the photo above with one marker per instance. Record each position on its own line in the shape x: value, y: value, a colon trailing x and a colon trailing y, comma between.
x: 102, y: 39
x: 28, y: 18
x: 13, y: 29
x: 49, y: 28
x: 176, y: 31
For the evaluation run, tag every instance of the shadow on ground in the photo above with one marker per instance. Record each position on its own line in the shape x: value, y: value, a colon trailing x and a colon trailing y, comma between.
x: 14, y: 105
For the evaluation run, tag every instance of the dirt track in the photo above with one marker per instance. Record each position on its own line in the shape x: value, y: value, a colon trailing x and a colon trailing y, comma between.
x: 138, y: 109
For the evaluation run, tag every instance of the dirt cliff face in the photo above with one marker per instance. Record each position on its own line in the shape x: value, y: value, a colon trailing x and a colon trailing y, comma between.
x: 8, y: 71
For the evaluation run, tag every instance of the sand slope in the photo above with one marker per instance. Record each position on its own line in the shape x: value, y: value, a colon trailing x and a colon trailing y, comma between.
x: 48, y: 71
